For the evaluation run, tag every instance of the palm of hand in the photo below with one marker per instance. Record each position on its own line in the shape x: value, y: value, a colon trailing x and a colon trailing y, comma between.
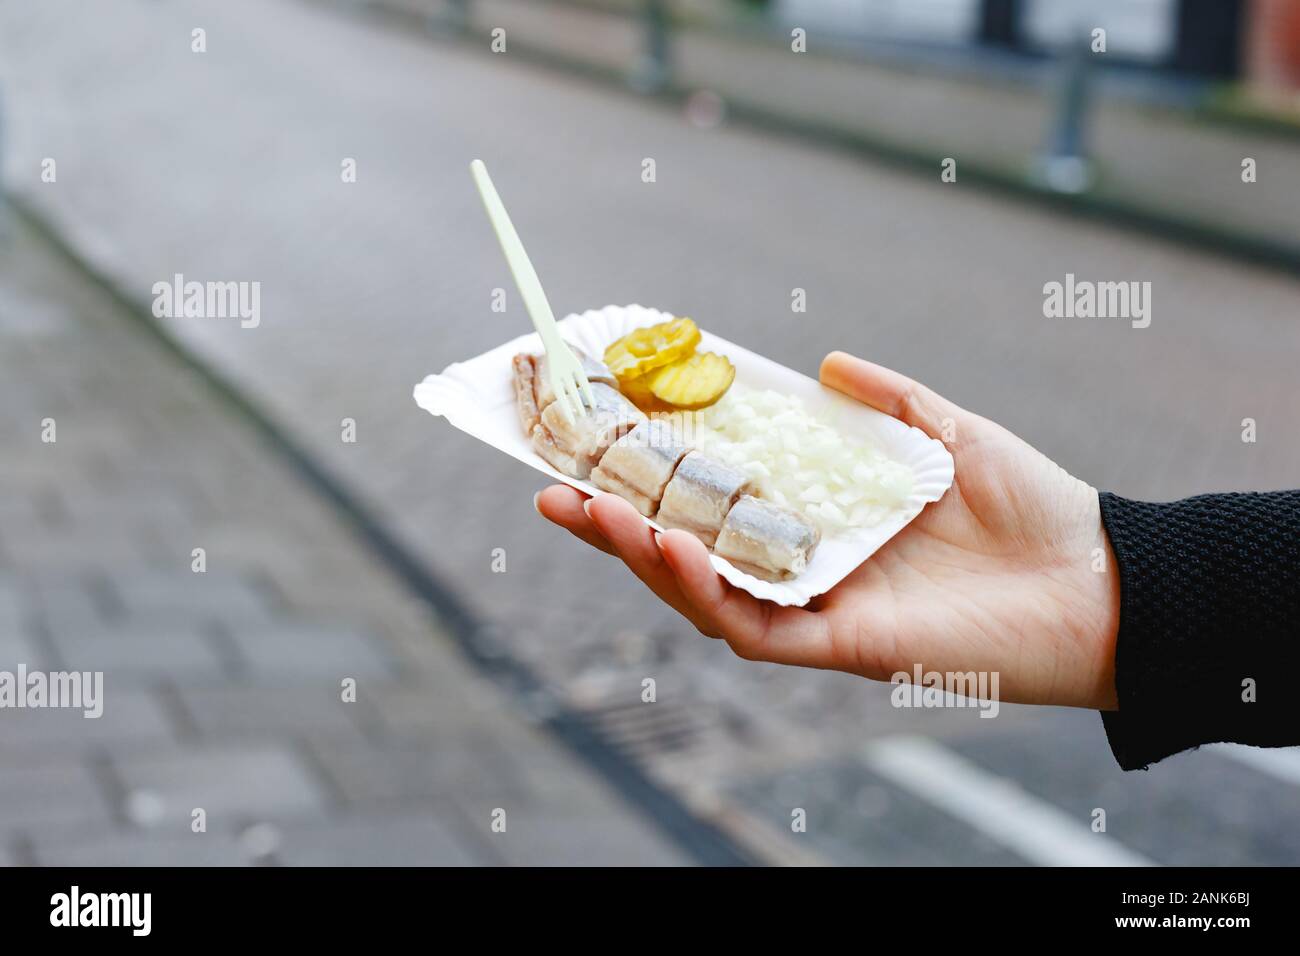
x: 997, y: 576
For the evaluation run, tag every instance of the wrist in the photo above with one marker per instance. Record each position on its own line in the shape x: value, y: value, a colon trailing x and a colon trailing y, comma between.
x: 1105, y: 571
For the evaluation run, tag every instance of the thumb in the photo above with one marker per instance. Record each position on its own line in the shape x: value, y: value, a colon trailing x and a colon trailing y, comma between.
x: 888, y: 391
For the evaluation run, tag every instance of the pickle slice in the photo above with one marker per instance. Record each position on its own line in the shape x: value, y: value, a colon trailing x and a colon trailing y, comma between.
x: 637, y: 391
x: 643, y: 350
x: 693, y: 382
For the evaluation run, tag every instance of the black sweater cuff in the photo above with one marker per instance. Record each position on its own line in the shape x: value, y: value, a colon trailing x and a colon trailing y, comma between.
x: 1209, y: 618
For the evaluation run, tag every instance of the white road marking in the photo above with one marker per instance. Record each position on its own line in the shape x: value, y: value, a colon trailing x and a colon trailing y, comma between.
x: 998, y: 808
x: 1280, y: 762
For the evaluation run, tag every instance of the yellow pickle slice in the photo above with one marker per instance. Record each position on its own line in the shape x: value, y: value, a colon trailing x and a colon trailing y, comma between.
x: 642, y: 350
x: 637, y: 391
x: 693, y: 382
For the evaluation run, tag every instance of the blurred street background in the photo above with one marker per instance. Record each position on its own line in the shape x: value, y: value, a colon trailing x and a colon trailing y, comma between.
x: 797, y: 144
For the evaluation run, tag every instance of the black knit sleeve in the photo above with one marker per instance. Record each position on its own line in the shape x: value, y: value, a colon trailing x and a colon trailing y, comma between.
x: 1209, y: 634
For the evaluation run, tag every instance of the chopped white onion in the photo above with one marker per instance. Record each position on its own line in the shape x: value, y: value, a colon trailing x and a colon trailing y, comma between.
x: 797, y: 459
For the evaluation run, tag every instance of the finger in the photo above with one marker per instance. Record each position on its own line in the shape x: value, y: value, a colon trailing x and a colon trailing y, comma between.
x: 756, y: 630
x: 633, y: 541
x: 563, y: 505
x: 888, y: 391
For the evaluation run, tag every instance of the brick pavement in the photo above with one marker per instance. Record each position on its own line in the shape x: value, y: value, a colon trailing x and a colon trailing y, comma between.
x: 222, y: 689
x: 369, y: 286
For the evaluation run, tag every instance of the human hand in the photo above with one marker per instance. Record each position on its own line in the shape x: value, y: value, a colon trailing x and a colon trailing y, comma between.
x: 996, y: 576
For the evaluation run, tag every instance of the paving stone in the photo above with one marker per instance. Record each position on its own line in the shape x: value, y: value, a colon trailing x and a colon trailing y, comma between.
x: 22, y: 501
x: 142, y: 849
x: 37, y: 546
x: 80, y: 437
x: 161, y: 505
x: 230, y: 783
x: 18, y: 647
x: 67, y: 604
x: 460, y: 765
x: 535, y: 839
x: 22, y: 314
x: 244, y: 545
x: 327, y: 589
x: 213, y: 593
x: 47, y: 484
x: 130, y: 720
x: 262, y: 711
x: 53, y: 797
x: 404, y: 840
x: 139, y: 654
x: 443, y: 703
x: 11, y: 607
x: 307, y: 651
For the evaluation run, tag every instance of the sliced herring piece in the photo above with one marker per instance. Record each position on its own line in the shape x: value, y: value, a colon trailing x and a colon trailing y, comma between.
x: 574, y: 447
x: 640, y: 464
x: 766, y: 540
x: 699, y: 496
x: 525, y: 369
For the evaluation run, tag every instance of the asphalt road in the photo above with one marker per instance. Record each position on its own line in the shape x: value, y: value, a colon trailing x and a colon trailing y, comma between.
x: 226, y: 165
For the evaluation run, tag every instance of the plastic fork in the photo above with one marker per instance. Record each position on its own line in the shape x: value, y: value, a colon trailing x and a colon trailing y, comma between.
x: 567, y: 377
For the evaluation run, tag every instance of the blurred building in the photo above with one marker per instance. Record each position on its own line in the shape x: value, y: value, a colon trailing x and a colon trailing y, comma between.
x: 1202, y: 37
x: 1273, y: 45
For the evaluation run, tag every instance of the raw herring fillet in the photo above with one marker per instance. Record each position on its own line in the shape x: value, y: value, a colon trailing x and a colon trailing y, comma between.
x: 574, y: 447
x: 766, y: 540
x: 640, y: 464
x: 699, y: 496
x: 525, y: 368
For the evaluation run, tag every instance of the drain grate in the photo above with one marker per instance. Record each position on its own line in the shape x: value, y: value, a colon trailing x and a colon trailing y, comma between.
x: 643, y: 731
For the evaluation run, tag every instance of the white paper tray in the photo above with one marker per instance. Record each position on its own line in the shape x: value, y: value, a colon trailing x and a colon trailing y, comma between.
x: 477, y: 396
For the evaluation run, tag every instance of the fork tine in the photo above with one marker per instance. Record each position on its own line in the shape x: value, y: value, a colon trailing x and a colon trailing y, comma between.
x: 557, y: 386
x: 586, y: 387
x: 572, y: 407
x: 575, y: 396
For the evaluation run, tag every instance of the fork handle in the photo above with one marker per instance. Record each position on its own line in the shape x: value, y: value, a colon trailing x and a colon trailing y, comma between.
x: 521, y: 267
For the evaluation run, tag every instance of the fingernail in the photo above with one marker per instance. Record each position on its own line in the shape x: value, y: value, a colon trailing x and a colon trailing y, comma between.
x: 536, y: 507
x: 586, y: 506
x: 659, y: 540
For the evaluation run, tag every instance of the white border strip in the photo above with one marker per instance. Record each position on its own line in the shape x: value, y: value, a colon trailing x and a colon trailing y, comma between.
x: 998, y: 808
